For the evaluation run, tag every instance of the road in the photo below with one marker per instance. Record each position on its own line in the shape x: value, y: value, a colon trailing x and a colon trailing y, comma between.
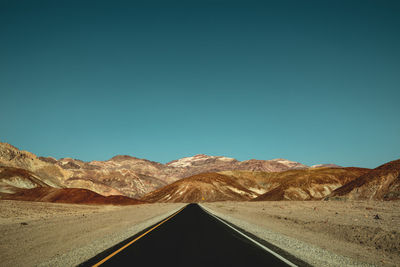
x: 190, y: 238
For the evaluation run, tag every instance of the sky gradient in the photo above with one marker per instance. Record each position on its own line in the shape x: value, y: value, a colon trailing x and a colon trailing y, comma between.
x: 310, y: 81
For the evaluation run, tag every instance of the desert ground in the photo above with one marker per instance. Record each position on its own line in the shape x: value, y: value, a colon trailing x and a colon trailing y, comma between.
x: 323, y: 233
x: 54, y: 234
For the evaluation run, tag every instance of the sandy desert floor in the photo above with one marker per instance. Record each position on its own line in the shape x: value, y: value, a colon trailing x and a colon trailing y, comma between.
x: 323, y: 233
x: 47, y: 234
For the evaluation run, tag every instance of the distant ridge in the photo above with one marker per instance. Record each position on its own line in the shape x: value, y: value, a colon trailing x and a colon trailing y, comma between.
x: 124, y: 174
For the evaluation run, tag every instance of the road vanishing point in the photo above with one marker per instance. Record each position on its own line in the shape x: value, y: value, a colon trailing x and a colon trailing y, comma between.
x: 191, y: 237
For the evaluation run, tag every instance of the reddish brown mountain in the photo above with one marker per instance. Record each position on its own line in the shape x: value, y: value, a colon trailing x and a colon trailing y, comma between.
x: 12, y: 179
x: 306, y: 184
x: 68, y: 195
x: 49, y: 174
x: 135, y: 177
x: 128, y: 175
x: 381, y: 183
x: 310, y: 184
x: 124, y: 175
x: 277, y: 179
x: 303, y: 184
x: 203, y: 188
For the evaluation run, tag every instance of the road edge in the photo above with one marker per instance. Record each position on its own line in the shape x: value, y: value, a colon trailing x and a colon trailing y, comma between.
x: 139, y: 229
x: 105, y: 255
x: 278, y: 252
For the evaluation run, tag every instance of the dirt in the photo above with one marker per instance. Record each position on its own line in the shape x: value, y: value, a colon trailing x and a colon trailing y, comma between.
x: 365, y: 231
x: 54, y: 234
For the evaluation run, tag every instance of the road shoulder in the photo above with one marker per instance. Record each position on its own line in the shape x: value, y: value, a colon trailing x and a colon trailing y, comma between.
x: 68, y: 234
x: 309, y: 253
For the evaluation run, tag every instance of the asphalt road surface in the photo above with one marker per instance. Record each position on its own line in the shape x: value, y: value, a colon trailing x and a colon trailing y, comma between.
x: 190, y: 238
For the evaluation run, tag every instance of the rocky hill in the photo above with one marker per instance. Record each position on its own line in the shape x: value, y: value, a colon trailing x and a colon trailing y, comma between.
x: 122, y: 174
x: 13, y: 179
x: 302, y: 184
x: 135, y: 177
x: 204, y: 187
x: 202, y: 163
x: 382, y: 183
x: 309, y: 184
x: 28, y: 167
x: 128, y: 175
x: 197, y: 178
x: 49, y: 174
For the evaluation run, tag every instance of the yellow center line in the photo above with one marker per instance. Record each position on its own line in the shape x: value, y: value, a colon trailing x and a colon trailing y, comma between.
x: 134, y: 240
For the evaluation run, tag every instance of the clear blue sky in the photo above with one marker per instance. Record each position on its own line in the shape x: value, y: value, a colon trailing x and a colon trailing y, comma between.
x: 310, y: 81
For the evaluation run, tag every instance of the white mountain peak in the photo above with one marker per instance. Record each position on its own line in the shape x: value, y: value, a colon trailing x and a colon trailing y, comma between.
x: 188, y: 161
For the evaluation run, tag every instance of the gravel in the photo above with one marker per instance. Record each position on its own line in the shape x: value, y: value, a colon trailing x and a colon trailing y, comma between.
x: 311, y: 254
x: 49, y: 234
x: 78, y: 255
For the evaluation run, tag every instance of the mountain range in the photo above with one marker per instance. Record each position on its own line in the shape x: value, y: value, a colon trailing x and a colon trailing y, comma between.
x: 122, y: 174
x: 297, y: 184
x: 190, y: 179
